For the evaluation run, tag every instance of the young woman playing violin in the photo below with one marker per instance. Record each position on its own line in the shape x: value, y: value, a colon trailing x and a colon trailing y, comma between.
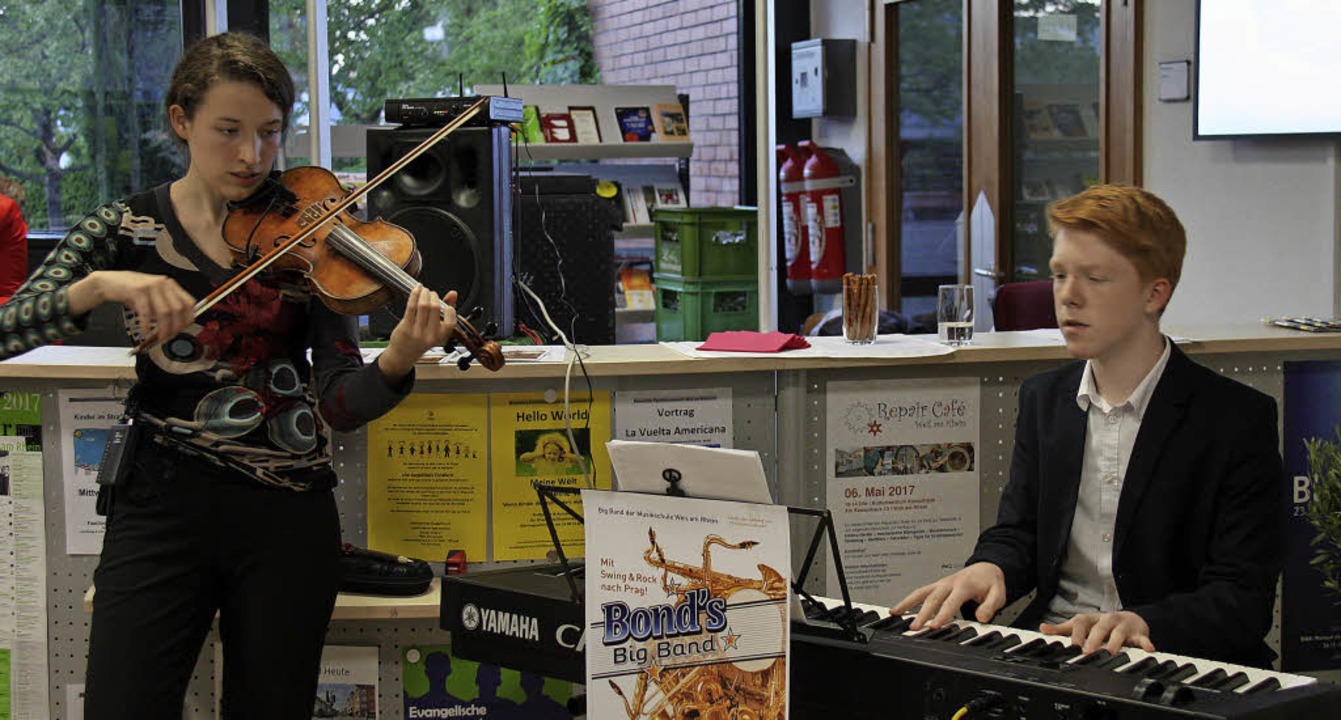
x: 228, y: 506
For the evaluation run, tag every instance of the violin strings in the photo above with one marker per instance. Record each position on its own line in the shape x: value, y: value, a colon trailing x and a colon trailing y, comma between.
x: 353, y: 246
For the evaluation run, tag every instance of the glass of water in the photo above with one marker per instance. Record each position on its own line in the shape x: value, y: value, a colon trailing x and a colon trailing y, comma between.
x: 954, y: 314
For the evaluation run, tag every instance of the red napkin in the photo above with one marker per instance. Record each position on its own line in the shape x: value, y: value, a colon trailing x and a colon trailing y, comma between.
x: 751, y: 341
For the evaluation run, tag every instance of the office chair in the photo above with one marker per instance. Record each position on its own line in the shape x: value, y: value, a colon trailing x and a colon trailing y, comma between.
x: 1024, y: 306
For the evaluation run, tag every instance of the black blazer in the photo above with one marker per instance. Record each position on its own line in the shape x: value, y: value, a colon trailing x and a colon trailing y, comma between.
x: 1200, y: 532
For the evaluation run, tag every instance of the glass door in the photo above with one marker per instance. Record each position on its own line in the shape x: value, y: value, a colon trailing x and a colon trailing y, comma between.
x: 1056, y: 111
x: 929, y: 150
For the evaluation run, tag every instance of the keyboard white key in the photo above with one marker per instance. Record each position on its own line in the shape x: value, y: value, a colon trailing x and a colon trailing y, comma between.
x: 1134, y: 655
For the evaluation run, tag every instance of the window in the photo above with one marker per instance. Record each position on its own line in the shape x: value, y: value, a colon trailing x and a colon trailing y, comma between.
x: 81, y: 106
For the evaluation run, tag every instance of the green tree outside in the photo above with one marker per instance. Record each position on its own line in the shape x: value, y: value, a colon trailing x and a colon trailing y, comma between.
x: 81, y: 114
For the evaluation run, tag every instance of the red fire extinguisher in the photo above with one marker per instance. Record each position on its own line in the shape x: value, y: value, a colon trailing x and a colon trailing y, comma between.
x: 795, y: 232
x: 822, y: 207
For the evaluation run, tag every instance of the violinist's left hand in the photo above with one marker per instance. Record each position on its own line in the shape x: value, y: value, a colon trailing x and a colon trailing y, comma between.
x: 426, y: 324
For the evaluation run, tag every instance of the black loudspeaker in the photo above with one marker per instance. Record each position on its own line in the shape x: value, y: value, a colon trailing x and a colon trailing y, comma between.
x: 456, y: 200
x: 562, y: 218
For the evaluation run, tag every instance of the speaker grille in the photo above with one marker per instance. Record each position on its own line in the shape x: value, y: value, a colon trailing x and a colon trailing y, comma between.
x: 456, y: 199
x: 448, y: 247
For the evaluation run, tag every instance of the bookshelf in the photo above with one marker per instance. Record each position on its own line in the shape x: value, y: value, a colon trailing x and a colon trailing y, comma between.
x: 638, y: 169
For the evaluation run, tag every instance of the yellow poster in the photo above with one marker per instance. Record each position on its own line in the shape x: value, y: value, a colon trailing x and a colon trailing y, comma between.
x: 530, y: 445
x: 428, y: 465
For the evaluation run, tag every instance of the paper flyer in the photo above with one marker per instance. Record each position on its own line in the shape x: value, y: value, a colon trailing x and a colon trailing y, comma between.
x: 23, y: 599
x: 428, y: 470
x: 686, y: 607
x: 902, y: 482
x: 530, y: 445
x: 21, y: 415
x: 347, y: 685
x: 437, y: 684
x: 85, y: 415
x: 693, y: 417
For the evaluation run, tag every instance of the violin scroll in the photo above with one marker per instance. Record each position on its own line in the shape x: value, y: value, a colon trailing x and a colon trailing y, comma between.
x: 488, y: 353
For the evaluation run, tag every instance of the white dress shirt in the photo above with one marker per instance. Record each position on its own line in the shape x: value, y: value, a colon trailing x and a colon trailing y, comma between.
x: 1086, y: 583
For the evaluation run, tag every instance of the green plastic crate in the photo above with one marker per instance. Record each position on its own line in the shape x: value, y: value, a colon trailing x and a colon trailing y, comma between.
x: 714, y: 243
x: 691, y: 310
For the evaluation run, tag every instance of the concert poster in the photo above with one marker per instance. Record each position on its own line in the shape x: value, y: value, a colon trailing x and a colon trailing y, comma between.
x: 686, y: 607
x: 1310, y: 612
x: 902, y: 468
x: 428, y: 465
x: 438, y: 684
x: 531, y: 444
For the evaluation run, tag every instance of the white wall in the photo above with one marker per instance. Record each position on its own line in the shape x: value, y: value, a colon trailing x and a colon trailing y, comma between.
x: 1261, y: 215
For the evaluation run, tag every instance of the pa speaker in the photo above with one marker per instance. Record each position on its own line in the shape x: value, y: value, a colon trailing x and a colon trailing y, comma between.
x: 456, y: 200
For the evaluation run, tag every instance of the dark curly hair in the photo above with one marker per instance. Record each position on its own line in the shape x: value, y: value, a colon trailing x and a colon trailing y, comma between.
x: 236, y: 56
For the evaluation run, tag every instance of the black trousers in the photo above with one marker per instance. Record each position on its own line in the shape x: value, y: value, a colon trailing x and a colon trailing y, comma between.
x: 183, y: 541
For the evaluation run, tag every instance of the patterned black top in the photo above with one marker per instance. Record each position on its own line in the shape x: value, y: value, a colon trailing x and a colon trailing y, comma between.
x: 236, y: 386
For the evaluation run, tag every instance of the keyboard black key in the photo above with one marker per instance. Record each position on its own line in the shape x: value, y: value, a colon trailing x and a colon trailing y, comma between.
x: 867, y: 618
x: 1162, y: 670
x: 1028, y: 648
x: 1141, y: 667
x: 1210, y: 679
x: 1184, y: 671
x: 985, y: 640
x: 1064, y: 653
x: 1269, y: 684
x: 1114, y: 661
x: 966, y: 634
x: 1233, y: 681
x: 893, y: 623
x: 941, y: 632
x: 1098, y: 657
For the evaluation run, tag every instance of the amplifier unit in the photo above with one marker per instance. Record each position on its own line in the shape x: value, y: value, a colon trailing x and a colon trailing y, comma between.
x: 440, y: 111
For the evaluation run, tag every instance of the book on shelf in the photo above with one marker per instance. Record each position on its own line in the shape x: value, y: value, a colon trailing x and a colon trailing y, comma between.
x: 557, y: 127
x: 585, y: 127
x: 636, y: 124
x: 1066, y: 118
x: 635, y: 282
x: 1036, y: 190
x: 636, y: 209
x: 1036, y: 120
x: 671, y: 123
x: 531, y: 131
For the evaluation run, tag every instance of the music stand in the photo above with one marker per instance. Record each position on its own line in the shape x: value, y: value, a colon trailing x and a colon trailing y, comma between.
x: 550, y: 493
x: 848, y: 622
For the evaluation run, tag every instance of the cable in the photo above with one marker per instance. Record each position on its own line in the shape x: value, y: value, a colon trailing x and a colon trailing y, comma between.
x: 588, y: 474
x: 960, y: 715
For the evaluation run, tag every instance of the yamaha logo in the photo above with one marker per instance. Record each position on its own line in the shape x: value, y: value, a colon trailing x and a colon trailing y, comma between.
x: 470, y: 616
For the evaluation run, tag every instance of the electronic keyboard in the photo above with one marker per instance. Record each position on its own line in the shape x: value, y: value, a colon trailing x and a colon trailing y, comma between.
x: 993, y: 671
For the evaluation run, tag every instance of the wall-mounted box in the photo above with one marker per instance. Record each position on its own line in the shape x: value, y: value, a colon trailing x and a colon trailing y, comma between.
x: 824, y: 78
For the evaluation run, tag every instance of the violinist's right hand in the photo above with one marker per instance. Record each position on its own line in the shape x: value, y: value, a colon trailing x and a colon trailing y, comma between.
x: 158, y: 300
x: 983, y: 583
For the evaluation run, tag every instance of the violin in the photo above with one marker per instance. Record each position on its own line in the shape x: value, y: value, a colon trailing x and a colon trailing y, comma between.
x: 301, y: 222
x: 355, y: 267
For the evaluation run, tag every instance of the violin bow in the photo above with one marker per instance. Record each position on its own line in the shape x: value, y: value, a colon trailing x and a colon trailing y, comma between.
x: 350, y: 198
